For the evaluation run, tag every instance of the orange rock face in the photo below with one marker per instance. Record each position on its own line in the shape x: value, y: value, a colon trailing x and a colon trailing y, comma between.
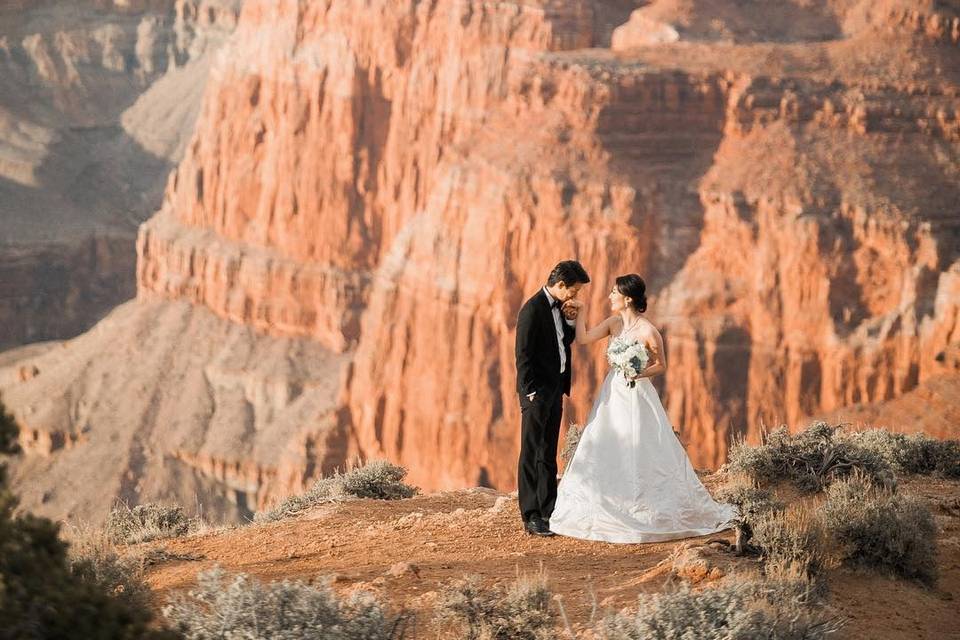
x: 392, y: 180
x: 395, y: 180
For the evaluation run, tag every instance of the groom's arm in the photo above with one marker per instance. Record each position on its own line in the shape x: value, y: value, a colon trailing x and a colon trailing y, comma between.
x: 524, y: 350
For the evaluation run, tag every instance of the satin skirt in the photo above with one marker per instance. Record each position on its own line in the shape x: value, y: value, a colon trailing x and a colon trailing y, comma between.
x: 630, y: 479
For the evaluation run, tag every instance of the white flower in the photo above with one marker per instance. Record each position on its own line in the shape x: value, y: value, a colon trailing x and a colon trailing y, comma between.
x: 629, y: 358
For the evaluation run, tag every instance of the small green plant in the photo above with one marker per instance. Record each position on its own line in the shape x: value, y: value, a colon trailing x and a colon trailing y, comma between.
x: 879, y: 529
x: 378, y: 479
x: 519, y: 612
x: 732, y: 611
x: 242, y: 607
x: 146, y: 522
x: 811, y: 459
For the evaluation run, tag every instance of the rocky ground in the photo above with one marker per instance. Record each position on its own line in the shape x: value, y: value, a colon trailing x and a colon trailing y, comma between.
x: 405, y: 550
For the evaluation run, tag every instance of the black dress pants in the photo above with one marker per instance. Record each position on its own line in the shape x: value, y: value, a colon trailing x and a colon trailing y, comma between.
x: 537, y: 468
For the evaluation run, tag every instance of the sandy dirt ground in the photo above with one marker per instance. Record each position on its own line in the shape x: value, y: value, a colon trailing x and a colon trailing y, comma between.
x: 405, y: 550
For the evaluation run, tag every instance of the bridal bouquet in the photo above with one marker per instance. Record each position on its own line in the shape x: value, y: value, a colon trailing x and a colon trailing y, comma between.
x: 629, y: 358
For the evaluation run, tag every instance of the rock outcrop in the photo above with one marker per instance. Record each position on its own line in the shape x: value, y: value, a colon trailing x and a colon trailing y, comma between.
x: 166, y: 401
x: 388, y: 182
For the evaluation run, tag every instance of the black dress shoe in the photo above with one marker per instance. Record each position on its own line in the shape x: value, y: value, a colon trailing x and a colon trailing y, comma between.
x: 537, y: 527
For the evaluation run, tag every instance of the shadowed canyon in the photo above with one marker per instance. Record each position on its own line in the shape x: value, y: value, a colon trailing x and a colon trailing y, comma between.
x: 330, y: 212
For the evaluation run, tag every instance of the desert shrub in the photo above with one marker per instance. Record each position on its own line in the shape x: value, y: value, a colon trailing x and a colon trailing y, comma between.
x: 570, y: 442
x: 732, y: 611
x: 519, y: 612
x: 751, y: 503
x: 244, y: 608
x: 378, y: 479
x: 880, y: 529
x: 948, y: 458
x: 792, y: 543
x: 917, y: 453
x: 810, y: 459
x: 43, y: 594
x: 146, y: 522
x: 9, y: 431
x: 94, y: 554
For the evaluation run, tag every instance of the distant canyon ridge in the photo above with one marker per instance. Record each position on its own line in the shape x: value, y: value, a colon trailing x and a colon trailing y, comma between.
x: 350, y: 201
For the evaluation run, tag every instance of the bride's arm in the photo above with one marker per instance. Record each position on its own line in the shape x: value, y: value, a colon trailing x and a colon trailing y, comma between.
x: 586, y: 336
x: 659, y: 364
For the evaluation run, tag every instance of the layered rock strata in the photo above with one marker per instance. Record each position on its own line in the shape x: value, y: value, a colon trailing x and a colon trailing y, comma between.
x: 389, y: 182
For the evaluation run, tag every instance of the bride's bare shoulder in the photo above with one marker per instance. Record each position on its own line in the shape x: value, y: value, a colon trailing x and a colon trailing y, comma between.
x: 645, y: 330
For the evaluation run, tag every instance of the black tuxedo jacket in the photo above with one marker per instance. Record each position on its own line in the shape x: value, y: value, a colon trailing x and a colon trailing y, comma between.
x: 538, y: 356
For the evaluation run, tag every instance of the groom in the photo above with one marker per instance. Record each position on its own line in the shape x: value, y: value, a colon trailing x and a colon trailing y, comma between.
x: 545, y: 331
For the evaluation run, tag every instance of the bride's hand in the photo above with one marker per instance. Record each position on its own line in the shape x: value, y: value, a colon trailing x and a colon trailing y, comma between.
x: 571, y: 308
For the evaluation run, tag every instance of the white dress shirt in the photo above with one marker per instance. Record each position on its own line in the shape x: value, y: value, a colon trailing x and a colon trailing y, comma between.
x: 556, y: 323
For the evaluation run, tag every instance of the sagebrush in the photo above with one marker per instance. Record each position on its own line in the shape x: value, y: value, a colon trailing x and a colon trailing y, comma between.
x: 145, y: 522
x: 917, y: 453
x: 810, y: 459
x: 793, y: 543
x: 521, y: 611
x: 751, y: 502
x: 94, y: 554
x: 242, y: 607
x: 730, y: 611
x: 880, y: 529
x: 377, y: 479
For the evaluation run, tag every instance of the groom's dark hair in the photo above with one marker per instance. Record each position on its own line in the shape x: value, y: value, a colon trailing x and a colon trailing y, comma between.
x: 569, y: 272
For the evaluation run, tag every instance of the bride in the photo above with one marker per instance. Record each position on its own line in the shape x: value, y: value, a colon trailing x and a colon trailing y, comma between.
x: 630, y: 479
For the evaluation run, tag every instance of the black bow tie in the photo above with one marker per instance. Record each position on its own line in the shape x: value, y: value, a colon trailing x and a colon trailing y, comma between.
x: 556, y: 304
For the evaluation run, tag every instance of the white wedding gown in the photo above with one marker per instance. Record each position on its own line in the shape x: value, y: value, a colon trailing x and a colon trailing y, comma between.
x: 630, y: 479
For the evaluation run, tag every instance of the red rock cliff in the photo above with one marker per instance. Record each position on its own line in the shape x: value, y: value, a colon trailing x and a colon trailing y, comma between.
x: 397, y: 179
x: 391, y: 181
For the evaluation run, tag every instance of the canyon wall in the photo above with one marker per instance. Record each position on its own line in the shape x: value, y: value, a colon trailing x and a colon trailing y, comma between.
x: 379, y: 188
x: 405, y: 228
x: 96, y: 102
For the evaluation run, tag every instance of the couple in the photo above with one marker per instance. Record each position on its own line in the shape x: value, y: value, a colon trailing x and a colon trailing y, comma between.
x: 630, y: 479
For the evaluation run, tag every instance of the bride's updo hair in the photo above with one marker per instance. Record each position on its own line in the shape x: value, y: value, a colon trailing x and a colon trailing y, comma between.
x: 633, y: 287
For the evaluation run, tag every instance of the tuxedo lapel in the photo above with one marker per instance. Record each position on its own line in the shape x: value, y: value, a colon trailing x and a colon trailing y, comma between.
x: 549, y: 326
x: 545, y: 309
x: 569, y: 333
